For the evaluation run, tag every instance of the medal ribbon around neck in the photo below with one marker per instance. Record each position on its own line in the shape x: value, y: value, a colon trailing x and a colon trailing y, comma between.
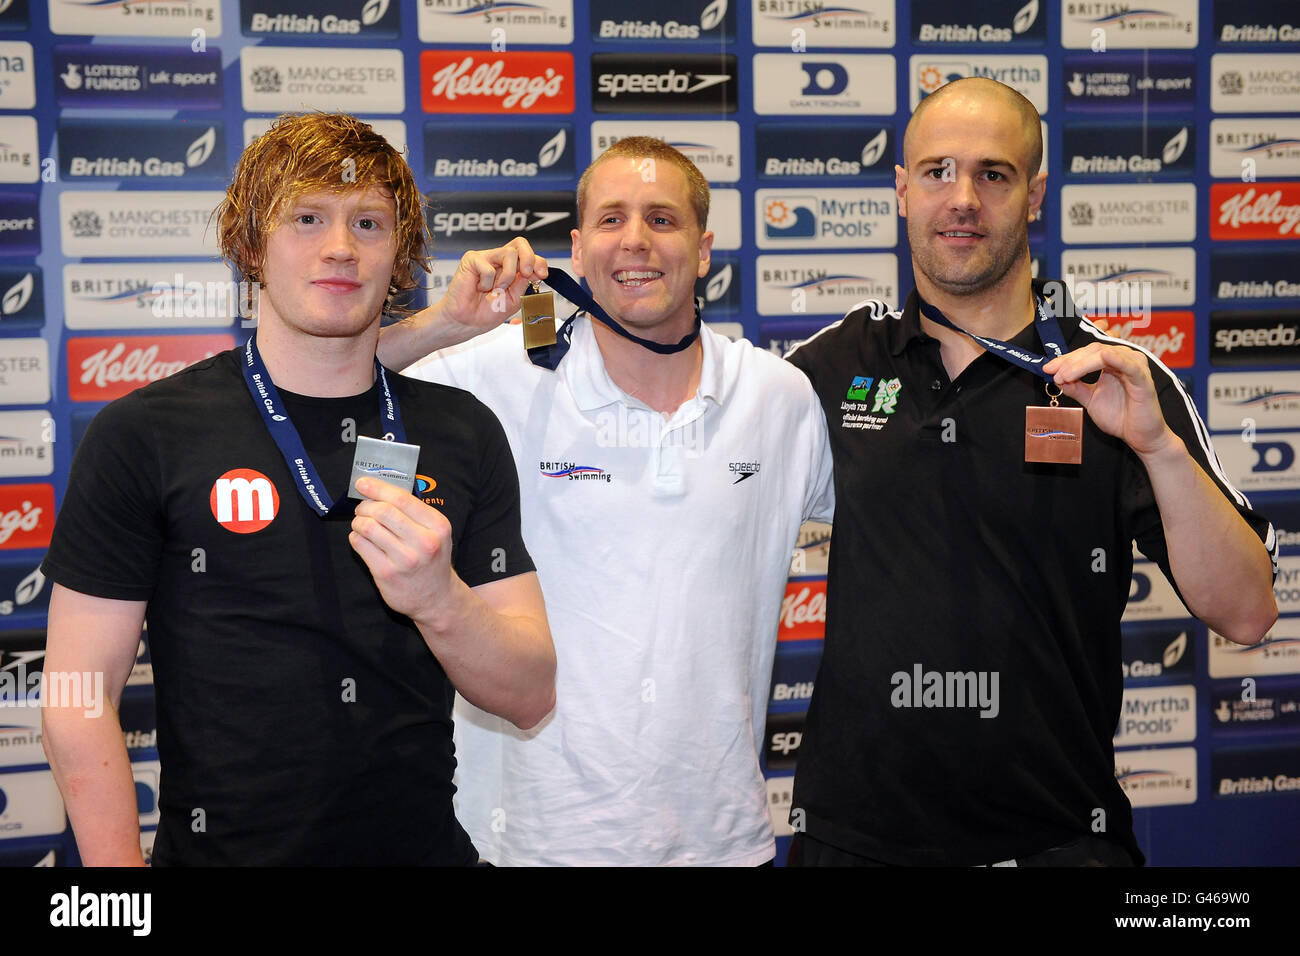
x: 549, y: 356
x: 1049, y: 331
x: 285, y: 436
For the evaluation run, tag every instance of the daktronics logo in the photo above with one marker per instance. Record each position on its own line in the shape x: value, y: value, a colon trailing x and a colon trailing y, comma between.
x: 477, y: 81
x: 803, y: 611
x: 26, y: 516
x: 1169, y: 336
x: 663, y: 83
x: 101, y: 369
x: 479, y: 220
x: 244, y: 501
x: 1255, y: 210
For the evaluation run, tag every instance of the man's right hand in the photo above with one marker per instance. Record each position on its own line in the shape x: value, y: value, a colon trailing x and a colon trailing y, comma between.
x: 484, y: 292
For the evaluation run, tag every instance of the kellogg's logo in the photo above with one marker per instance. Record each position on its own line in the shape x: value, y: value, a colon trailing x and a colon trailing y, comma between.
x: 1255, y: 210
x: 103, y: 368
x: 477, y: 81
x: 803, y: 611
x: 26, y: 516
x: 1168, y: 335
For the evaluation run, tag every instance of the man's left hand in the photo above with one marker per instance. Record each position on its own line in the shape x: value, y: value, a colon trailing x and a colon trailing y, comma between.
x: 406, y: 545
x: 1122, y: 402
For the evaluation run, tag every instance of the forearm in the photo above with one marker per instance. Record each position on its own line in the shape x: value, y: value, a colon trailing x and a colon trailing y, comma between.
x: 91, y: 767
x: 500, y: 662
x: 1219, y: 564
x: 421, y: 334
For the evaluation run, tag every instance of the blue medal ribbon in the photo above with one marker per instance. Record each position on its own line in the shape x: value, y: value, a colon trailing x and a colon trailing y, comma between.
x: 285, y: 436
x: 549, y: 356
x: 1049, y: 331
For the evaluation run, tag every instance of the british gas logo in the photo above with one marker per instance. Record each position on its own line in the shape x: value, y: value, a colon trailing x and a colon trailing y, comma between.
x: 244, y: 501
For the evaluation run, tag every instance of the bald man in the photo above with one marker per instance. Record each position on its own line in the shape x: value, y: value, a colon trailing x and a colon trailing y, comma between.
x: 995, y: 457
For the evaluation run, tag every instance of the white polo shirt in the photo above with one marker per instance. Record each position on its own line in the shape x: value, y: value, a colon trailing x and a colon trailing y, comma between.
x: 663, y: 549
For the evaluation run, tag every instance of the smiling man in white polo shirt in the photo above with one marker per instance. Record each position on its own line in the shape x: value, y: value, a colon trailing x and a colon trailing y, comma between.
x: 663, y: 480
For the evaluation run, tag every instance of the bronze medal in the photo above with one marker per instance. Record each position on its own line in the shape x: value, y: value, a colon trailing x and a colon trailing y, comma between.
x: 1054, y: 435
x: 538, y: 310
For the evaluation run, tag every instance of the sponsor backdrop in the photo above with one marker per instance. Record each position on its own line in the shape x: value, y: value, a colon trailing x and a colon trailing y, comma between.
x: 1173, y: 146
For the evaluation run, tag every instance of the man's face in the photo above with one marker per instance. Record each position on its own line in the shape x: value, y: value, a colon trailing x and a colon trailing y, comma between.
x: 965, y: 194
x: 639, y: 246
x: 329, y: 262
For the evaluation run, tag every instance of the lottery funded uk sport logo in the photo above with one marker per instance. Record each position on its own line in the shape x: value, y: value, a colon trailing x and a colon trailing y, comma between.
x: 244, y: 501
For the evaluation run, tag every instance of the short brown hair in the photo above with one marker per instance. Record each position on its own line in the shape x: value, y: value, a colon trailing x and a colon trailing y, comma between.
x: 641, y: 147
x: 318, y: 152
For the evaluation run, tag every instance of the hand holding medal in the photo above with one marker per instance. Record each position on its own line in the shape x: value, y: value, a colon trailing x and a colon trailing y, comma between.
x: 1122, y: 402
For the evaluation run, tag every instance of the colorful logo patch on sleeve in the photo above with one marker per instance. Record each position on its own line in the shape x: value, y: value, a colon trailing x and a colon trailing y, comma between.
x: 859, y: 388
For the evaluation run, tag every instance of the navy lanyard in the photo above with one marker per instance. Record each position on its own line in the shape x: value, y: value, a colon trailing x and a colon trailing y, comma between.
x: 1049, y: 331
x: 286, y: 437
x: 549, y: 356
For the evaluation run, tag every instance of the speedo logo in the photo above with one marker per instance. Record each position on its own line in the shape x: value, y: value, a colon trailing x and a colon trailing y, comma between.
x: 743, y: 470
x: 613, y: 84
x: 506, y: 220
x: 244, y: 501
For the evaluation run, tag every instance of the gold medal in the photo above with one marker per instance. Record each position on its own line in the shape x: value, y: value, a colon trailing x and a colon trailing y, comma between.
x: 538, y: 310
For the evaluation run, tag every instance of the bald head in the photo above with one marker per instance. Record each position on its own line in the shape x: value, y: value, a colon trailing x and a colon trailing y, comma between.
x: 976, y: 95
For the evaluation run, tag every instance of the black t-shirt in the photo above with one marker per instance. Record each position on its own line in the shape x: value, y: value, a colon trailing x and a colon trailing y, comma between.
x: 954, y: 557
x: 300, y: 720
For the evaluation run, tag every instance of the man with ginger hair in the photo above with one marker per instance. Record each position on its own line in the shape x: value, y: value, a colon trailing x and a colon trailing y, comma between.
x: 970, y: 683
x: 664, y: 474
x: 304, y: 645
